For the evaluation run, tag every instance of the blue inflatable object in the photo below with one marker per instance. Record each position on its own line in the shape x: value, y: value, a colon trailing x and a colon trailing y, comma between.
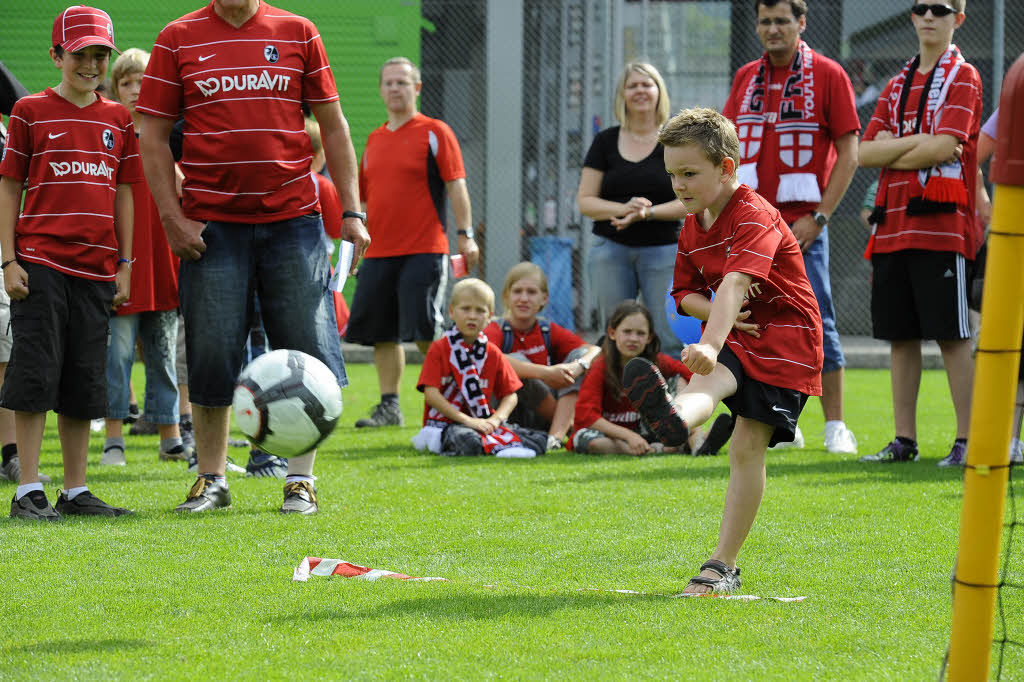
x: 686, y: 328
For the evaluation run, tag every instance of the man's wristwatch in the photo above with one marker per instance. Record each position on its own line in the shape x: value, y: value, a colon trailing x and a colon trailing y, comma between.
x: 467, y: 233
x: 354, y: 214
x: 821, y: 219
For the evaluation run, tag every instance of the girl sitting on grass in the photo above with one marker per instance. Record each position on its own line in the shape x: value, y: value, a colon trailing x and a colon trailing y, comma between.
x: 548, y: 358
x: 606, y: 423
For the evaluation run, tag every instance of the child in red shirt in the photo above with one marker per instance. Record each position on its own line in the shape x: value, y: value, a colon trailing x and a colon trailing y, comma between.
x: 761, y: 348
x: 550, y: 359
x: 605, y: 421
x: 462, y: 374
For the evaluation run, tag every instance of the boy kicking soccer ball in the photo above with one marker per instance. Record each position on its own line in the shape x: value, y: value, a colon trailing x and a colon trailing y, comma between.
x: 761, y: 349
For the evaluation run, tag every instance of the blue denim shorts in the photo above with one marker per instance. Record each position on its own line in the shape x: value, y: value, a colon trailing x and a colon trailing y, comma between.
x: 286, y: 265
x: 816, y: 264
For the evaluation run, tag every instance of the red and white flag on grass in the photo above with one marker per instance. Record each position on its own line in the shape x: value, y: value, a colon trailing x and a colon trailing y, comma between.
x: 313, y: 566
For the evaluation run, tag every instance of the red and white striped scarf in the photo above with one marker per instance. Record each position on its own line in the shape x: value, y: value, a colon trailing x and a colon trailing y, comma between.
x: 796, y: 124
x: 938, y: 189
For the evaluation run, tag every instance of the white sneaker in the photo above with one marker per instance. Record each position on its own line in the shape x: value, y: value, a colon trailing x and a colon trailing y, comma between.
x: 840, y: 440
x: 797, y: 442
x: 1016, y: 451
x: 113, y: 456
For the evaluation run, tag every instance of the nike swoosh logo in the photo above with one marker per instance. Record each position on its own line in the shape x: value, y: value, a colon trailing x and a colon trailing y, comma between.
x: 54, y: 137
x: 203, y: 59
x: 779, y: 409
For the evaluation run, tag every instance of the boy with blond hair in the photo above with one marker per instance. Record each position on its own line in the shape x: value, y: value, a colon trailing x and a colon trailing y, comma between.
x: 760, y: 352
x: 66, y: 263
x: 463, y: 375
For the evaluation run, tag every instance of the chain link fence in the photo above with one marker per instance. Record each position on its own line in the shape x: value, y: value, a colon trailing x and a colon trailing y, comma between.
x: 526, y: 84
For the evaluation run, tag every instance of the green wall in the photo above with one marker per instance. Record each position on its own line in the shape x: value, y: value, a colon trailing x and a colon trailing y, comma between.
x: 359, y: 37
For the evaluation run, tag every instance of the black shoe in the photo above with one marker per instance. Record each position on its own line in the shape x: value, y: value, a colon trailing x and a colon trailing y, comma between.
x: 648, y: 394
x: 143, y: 427
x: 205, y: 495
x: 264, y: 465
x: 87, y: 504
x: 34, y: 507
x: 133, y: 414
x: 384, y: 414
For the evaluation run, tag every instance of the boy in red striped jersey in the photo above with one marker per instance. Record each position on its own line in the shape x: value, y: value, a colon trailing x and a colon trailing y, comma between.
x: 760, y: 351
x: 66, y: 263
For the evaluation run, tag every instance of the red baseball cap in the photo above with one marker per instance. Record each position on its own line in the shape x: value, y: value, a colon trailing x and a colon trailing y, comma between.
x: 80, y: 26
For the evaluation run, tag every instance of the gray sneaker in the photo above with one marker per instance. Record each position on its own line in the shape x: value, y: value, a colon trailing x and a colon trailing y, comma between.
x: 179, y: 453
x: 205, y: 495
x: 11, y: 470
x: 299, y: 498
x: 384, y: 414
x: 264, y: 465
x: 113, y: 455
x: 34, y: 507
x: 87, y: 504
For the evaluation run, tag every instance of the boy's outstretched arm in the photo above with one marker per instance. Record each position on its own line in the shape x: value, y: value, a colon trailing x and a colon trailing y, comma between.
x: 702, y: 357
x: 15, y: 278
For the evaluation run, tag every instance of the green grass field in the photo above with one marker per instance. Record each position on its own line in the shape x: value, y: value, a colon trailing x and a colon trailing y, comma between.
x: 159, y: 596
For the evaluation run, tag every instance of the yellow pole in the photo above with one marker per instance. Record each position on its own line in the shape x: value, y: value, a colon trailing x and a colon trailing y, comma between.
x: 995, y: 383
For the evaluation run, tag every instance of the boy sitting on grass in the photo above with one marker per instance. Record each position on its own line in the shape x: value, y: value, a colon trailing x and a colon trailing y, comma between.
x: 761, y: 350
x: 462, y: 372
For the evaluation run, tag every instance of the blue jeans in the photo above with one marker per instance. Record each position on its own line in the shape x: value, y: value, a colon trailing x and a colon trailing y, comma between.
x: 159, y: 334
x: 286, y: 265
x: 816, y: 264
x: 620, y: 272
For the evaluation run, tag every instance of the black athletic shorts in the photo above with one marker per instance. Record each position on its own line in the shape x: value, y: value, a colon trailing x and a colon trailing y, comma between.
x: 919, y: 294
x: 59, y: 358
x: 399, y: 299
x: 778, y: 407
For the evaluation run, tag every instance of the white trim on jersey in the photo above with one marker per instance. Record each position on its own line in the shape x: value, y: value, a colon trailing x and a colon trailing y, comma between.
x: 162, y: 80
x: 736, y: 345
x: 105, y: 124
x: 241, y: 99
x: 63, y: 268
x: 267, y: 67
x: 251, y: 130
x: 192, y: 188
x: 55, y: 215
x: 234, y: 163
x: 72, y: 182
x: 245, y: 40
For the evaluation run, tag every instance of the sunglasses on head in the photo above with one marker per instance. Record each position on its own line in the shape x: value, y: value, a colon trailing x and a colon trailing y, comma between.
x: 937, y: 10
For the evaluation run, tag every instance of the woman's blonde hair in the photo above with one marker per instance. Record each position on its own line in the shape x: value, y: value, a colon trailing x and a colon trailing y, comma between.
x: 132, y: 60
x: 518, y: 272
x: 664, y: 108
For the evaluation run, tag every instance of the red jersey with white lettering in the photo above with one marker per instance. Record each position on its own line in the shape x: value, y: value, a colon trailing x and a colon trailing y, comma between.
x: 154, y: 285
x: 595, y: 400
x: 961, y: 118
x: 750, y: 237
x: 246, y: 153
x: 73, y: 159
x: 402, y: 181
x: 531, y: 343
x: 832, y: 95
x: 497, y: 378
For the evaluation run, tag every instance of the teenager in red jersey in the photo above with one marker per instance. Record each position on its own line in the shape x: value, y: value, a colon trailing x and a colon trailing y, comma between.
x: 151, y: 313
x: 606, y: 422
x: 924, y: 235
x: 549, y: 358
x: 760, y: 351
x: 409, y: 166
x: 65, y: 262
x: 469, y: 387
x: 796, y: 117
x: 239, y: 71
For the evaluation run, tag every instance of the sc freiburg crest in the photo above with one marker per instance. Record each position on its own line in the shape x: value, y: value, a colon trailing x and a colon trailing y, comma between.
x: 270, y: 52
x: 108, y: 139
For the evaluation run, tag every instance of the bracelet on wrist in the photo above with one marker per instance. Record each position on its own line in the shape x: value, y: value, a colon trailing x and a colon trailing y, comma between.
x: 129, y: 261
x: 3, y: 266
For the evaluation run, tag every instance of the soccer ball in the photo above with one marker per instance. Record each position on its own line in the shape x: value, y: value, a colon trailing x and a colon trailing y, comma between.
x: 287, y: 402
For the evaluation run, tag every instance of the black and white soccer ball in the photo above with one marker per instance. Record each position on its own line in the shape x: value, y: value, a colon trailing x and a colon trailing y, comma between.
x: 287, y: 402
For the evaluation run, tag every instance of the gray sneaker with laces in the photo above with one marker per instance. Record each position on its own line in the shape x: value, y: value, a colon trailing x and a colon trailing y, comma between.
x: 299, y: 498
x: 33, y: 507
x: 205, y: 495
x: 11, y: 470
x: 384, y: 414
x: 87, y: 504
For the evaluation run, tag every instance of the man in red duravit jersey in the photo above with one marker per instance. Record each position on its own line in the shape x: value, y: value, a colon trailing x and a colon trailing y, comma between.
x: 249, y: 220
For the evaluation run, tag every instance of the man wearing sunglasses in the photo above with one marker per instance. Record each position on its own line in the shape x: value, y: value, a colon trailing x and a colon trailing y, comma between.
x: 796, y: 116
x: 924, y: 136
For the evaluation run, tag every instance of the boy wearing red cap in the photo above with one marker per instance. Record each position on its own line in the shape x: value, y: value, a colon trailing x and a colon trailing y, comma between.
x: 66, y: 263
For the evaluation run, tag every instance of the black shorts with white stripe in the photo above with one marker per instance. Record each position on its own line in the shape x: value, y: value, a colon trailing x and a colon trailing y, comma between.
x: 918, y: 294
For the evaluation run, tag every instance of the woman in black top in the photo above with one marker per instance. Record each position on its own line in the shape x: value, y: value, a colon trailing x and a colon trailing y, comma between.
x: 625, y: 190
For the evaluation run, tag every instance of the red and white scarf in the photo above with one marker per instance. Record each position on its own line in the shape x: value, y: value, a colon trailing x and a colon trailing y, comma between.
x: 466, y: 394
x: 939, y: 188
x: 796, y: 124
